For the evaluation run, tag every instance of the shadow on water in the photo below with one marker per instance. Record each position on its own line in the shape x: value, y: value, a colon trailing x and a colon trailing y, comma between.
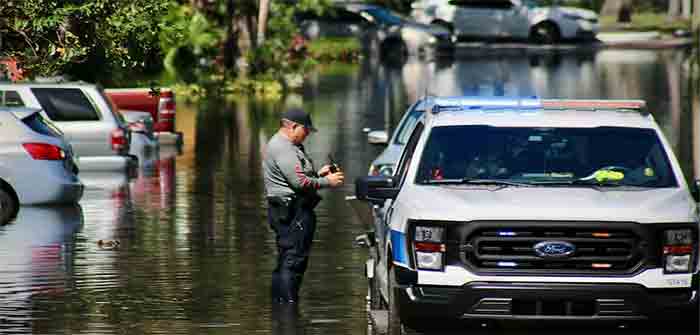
x: 195, y: 253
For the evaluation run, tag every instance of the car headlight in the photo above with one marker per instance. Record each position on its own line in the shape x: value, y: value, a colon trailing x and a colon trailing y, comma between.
x: 679, y: 250
x: 571, y: 16
x: 432, y: 40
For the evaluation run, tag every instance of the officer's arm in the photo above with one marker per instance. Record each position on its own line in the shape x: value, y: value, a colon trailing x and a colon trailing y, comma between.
x: 290, y: 166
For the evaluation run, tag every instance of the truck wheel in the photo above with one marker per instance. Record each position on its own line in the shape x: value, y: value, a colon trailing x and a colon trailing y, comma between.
x: 692, y: 317
x: 393, y: 318
x: 8, y: 207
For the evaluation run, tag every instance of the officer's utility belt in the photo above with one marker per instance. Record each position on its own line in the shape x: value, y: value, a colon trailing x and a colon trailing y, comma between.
x: 307, y: 201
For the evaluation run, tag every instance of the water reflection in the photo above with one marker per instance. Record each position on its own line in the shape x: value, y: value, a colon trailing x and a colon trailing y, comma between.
x: 36, y: 253
x: 195, y: 253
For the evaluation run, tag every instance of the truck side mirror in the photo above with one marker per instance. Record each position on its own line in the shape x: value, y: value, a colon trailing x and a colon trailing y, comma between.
x: 380, y: 137
x: 695, y: 190
x: 375, y: 188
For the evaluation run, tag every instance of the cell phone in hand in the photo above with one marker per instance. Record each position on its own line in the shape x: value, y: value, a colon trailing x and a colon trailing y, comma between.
x: 333, y: 165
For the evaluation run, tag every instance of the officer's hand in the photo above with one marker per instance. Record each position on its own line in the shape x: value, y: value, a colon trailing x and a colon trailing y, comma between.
x: 326, y: 169
x: 335, y: 179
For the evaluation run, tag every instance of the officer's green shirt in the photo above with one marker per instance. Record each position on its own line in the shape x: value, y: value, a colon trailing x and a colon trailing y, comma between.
x: 288, y: 170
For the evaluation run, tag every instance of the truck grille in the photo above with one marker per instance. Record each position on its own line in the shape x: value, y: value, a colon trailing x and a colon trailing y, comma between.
x: 588, y: 249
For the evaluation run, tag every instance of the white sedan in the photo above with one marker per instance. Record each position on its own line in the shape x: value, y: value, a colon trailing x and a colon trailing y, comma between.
x: 509, y: 19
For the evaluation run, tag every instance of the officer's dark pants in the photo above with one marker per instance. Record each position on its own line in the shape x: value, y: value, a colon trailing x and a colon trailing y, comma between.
x: 294, y: 230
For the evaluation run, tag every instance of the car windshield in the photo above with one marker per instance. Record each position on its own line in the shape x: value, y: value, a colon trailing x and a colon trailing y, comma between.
x: 601, y: 156
x: 385, y: 16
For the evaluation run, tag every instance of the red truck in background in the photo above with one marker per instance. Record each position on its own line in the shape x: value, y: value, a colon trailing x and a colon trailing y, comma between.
x: 160, y: 103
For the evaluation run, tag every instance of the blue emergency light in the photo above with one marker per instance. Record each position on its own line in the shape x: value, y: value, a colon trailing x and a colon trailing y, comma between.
x: 466, y: 103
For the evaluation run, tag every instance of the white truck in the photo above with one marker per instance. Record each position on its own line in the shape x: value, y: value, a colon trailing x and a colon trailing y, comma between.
x: 530, y: 209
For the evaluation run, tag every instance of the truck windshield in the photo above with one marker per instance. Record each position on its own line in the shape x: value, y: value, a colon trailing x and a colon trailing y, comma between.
x: 609, y: 156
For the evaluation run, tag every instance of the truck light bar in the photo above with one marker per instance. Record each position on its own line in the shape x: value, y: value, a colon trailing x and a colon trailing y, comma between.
x: 440, y: 104
x: 466, y: 103
x: 592, y: 104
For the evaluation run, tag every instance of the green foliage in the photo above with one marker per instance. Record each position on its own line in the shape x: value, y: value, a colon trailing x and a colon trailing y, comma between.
x: 335, y: 49
x: 190, y: 41
x: 645, y: 22
x: 51, y: 37
x: 278, y: 53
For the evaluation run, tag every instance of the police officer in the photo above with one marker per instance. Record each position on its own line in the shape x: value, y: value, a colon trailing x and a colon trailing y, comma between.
x: 291, y: 186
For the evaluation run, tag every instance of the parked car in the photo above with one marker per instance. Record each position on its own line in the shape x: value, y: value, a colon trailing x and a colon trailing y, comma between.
x: 382, y: 31
x: 385, y: 163
x: 530, y: 209
x: 509, y: 19
x: 98, y: 134
x: 158, y: 102
x: 36, y: 163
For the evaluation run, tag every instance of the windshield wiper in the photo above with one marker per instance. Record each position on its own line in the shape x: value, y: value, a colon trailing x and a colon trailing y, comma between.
x: 472, y: 181
x: 581, y: 182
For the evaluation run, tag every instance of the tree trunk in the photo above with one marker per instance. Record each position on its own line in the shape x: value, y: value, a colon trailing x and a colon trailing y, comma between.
x: 696, y: 22
x: 262, y: 20
x: 611, y: 7
x: 621, y: 9
x: 674, y: 9
x: 687, y: 9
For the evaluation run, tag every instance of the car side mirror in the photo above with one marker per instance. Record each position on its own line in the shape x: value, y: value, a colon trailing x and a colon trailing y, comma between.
x: 695, y: 190
x: 376, y: 188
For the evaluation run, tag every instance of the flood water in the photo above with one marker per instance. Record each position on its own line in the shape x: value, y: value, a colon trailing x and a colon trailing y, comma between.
x: 185, y: 247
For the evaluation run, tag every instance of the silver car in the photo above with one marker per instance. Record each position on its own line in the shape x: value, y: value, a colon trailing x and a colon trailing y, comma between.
x: 386, y: 161
x: 382, y: 32
x: 36, y: 163
x: 98, y: 134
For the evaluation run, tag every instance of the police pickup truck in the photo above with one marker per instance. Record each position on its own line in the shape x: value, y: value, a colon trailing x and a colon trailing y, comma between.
x: 532, y: 209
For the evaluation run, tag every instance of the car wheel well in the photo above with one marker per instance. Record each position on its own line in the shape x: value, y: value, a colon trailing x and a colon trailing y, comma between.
x: 5, y: 186
x: 551, y: 27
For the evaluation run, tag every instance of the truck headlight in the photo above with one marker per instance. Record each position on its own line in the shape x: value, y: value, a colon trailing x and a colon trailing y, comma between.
x: 429, y: 247
x: 679, y: 250
x: 676, y: 264
x: 429, y: 260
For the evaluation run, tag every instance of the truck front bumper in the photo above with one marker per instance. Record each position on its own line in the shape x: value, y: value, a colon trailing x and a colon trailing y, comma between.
x: 543, y: 301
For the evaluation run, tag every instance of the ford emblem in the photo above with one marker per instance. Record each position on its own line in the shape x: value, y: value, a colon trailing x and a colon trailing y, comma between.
x: 554, y: 249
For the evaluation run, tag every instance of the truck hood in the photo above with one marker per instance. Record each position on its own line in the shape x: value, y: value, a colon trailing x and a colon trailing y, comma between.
x: 466, y: 203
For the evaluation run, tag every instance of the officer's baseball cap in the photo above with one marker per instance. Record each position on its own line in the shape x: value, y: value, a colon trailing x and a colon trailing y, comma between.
x: 299, y: 116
